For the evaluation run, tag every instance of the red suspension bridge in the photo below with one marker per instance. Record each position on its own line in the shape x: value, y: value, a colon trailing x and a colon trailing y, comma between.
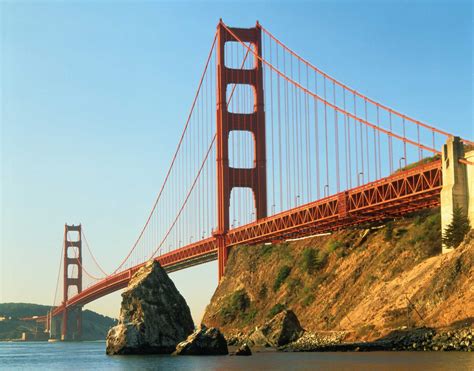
x: 273, y: 148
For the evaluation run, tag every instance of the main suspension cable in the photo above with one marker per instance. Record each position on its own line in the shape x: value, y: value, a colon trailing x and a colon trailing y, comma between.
x: 353, y: 91
x: 199, y: 171
x: 173, y: 159
x: 59, y: 274
x: 90, y: 252
x: 295, y: 83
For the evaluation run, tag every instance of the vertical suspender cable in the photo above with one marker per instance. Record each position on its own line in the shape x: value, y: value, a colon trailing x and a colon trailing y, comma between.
x: 336, y: 139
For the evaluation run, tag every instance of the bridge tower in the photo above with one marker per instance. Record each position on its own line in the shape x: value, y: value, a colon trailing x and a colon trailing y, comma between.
x: 73, y: 259
x: 229, y: 177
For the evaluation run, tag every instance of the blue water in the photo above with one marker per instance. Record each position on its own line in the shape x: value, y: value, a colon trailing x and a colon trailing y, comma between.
x: 91, y: 356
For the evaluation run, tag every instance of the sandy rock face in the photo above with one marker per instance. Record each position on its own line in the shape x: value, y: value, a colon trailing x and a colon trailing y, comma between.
x: 204, y: 341
x: 154, y: 317
x: 280, y: 330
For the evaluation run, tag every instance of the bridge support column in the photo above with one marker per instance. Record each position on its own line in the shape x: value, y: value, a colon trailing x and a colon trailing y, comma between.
x: 458, y: 189
x: 48, y: 323
x: 78, y: 335
x: 72, y: 278
x: 469, y: 156
x: 64, y: 322
x: 54, y: 332
x: 71, y: 324
x: 222, y: 253
x: 229, y: 177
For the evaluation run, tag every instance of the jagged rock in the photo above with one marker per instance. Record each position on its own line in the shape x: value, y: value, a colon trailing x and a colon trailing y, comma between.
x: 310, y: 341
x: 154, y: 317
x: 282, y: 329
x: 243, y: 350
x: 257, y: 338
x: 233, y: 340
x: 425, y: 339
x: 204, y: 341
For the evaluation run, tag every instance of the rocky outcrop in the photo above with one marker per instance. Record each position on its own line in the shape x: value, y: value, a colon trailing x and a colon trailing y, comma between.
x: 310, y: 340
x: 420, y: 339
x: 365, y: 284
x: 204, y: 341
x: 282, y: 329
x: 430, y: 340
x: 154, y: 317
x: 243, y: 350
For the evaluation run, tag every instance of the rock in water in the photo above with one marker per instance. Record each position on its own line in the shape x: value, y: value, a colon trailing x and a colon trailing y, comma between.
x: 154, y: 317
x: 243, y: 350
x: 282, y: 329
x: 204, y: 341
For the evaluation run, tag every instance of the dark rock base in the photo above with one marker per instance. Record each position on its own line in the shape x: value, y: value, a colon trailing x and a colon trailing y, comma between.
x: 415, y: 340
x: 204, y: 341
x: 243, y: 350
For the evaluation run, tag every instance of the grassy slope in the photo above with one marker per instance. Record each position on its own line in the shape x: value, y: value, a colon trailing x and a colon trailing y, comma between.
x: 366, y: 282
x: 95, y: 326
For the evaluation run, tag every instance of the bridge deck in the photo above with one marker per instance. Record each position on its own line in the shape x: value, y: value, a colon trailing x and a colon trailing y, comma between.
x: 398, y: 194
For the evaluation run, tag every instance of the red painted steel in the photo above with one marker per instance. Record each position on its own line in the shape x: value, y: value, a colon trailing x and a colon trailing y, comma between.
x: 382, y: 199
x: 390, y: 197
x: 393, y: 196
x: 76, y: 263
x: 228, y: 177
x: 329, y: 104
x: 173, y: 160
x: 355, y: 92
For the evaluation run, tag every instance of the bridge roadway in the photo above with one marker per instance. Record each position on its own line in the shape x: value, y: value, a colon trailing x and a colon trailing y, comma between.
x: 402, y: 192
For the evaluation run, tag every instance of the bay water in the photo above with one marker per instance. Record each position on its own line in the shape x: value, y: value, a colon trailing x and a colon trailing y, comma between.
x: 91, y: 356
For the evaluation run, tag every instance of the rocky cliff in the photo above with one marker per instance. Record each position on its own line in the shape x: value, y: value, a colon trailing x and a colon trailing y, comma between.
x: 154, y: 317
x: 356, y: 284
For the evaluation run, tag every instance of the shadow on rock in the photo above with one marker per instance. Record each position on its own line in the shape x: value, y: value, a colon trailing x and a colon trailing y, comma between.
x: 204, y: 341
x: 243, y: 350
x: 154, y: 317
x: 280, y: 330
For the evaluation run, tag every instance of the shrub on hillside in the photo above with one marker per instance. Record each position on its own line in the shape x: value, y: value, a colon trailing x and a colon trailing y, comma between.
x: 237, y: 303
x: 309, y: 260
x: 283, y: 274
x: 455, y: 232
x: 400, y: 232
x: 308, y: 300
x: 294, y: 285
x: 334, y: 245
x: 341, y: 253
x: 426, y: 237
x: 266, y: 250
x: 249, y: 316
x: 262, y: 293
x: 277, y: 308
x: 313, y: 260
x: 389, y: 231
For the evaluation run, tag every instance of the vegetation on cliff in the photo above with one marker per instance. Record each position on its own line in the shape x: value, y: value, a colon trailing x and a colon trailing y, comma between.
x: 365, y: 281
x: 455, y: 232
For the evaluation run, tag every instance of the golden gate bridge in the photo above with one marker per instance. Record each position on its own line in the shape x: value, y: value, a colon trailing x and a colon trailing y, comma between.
x: 273, y: 148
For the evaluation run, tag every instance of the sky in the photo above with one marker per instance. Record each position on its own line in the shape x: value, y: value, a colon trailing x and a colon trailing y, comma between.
x: 94, y: 96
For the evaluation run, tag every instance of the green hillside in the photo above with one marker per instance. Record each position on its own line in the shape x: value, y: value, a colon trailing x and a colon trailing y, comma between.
x: 94, y: 325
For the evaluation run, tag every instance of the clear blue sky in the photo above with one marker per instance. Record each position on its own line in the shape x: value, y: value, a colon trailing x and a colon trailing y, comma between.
x: 94, y: 95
